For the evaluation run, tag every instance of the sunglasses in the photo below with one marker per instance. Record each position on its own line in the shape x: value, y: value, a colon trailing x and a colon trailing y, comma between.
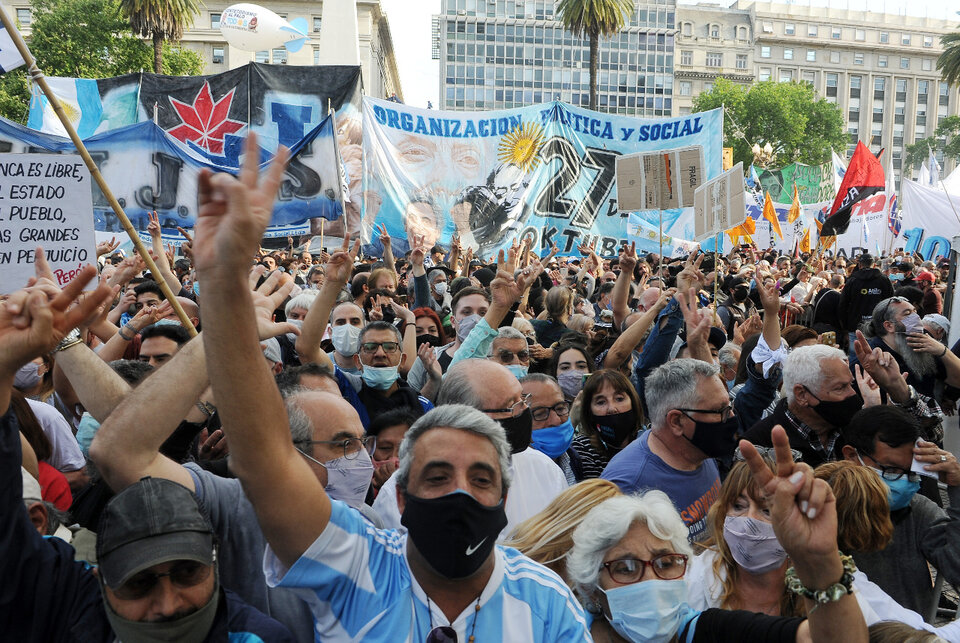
x: 388, y: 347
x: 183, y: 574
x: 507, y: 356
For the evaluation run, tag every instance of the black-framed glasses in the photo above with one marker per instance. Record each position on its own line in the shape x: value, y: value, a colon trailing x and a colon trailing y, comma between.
x: 442, y: 634
x: 388, y: 347
x: 507, y: 356
x: 725, y: 413
x: 351, y: 446
x: 183, y: 574
x: 515, y: 409
x: 627, y: 571
x: 541, y: 413
x: 891, y: 473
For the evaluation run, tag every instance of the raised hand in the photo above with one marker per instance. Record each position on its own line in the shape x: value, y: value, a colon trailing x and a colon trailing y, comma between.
x: 698, y: 326
x: 338, y: 267
x: 383, y: 235
x: 869, y: 390
x: 106, y: 247
x: 266, y: 299
x: 923, y: 343
x: 376, y: 310
x: 769, y: 297
x: 186, y: 246
x: 749, y: 327
x: 234, y: 212
x: 881, y: 366
x: 690, y: 276
x: 429, y: 360
x: 628, y: 258
x: 154, y: 226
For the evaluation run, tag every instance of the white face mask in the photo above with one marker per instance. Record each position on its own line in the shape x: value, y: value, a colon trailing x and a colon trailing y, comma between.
x: 348, y: 480
x: 440, y: 287
x: 346, y: 339
x: 651, y: 610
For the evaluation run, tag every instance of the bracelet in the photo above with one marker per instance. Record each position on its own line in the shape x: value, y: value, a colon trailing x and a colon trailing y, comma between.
x: 944, y: 352
x: 124, y: 337
x: 832, y: 593
x: 70, y: 339
x: 206, y: 408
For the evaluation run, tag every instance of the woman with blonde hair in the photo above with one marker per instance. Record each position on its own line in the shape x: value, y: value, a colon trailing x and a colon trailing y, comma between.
x: 548, y: 536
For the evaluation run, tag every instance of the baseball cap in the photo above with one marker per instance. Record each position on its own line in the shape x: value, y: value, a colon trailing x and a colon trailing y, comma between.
x: 925, y: 275
x: 939, y: 320
x: 151, y: 522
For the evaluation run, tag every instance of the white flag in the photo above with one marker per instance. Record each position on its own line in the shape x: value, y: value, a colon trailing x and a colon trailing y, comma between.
x: 10, y: 58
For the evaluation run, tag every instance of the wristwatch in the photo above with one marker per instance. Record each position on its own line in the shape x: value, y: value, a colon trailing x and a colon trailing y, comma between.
x: 71, y: 339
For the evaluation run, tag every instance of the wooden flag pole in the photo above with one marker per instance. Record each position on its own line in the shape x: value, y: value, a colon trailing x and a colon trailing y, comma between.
x: 716, y: 273
x: 37, y: 76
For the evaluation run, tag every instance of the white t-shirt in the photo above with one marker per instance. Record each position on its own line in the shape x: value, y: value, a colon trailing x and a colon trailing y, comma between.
x: 536, y: 481
x: 67, y: 455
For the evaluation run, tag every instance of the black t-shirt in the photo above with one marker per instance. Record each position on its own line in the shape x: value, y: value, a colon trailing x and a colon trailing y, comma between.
x: 722, y: 626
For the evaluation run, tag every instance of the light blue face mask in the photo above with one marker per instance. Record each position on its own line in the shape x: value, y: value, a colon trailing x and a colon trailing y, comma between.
x: 900, y: 492
x: 167, y: 322
x: 896, y: 276
x: 380, y: 377
x: 518, y: 370
x: 652, y: 611
x: 553, y: 440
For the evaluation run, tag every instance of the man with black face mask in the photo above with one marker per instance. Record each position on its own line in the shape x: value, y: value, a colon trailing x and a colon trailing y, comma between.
x: 443, y: 582
x: 737, y: 307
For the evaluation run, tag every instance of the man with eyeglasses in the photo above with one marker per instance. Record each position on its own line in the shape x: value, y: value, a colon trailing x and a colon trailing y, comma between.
x: 552, y: 429
x: 510, y: 349
x: 885, y: 439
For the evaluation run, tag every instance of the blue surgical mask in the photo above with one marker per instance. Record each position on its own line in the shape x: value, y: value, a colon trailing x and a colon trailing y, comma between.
x: 652, y: 611
x: 380, y: 377
x: 518, y: 370
x: 900, y: 492
x: 553, y: 440
x: 896, y: 276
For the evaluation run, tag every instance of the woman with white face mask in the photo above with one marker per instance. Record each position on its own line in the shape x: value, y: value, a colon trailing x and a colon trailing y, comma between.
x: 630, y: 557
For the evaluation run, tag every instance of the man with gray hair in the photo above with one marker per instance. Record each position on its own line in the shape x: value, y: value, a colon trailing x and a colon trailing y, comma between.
x: 510, y: 349
x: 691, y: 422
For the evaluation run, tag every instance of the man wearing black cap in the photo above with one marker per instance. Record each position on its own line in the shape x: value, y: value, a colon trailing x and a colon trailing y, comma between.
x: 865, y: 288
x: 737, y: 307
x: 157, y: 557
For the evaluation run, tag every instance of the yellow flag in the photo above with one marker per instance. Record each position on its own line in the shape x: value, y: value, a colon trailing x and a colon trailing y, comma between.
x: 771, y: 215
x: 805, y: 241
x: 746, y: 229
x: 794, y: 210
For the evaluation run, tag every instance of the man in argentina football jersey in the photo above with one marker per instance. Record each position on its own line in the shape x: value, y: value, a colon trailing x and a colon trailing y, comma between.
x: 446, y: 577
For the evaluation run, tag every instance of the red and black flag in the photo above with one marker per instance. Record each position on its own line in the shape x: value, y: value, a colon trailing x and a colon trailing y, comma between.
x: 864, y: 177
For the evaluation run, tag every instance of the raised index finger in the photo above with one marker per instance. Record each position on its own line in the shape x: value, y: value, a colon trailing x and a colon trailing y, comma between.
x: 761, y: 472
x: 781, y: 449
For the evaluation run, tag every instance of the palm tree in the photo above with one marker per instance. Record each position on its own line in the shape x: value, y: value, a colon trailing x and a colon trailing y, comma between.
x: 594, y: 18
x: 949, y: 61
x: 160, y: 20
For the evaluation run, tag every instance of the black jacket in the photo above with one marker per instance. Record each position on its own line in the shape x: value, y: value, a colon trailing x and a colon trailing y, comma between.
x: 865, y: 289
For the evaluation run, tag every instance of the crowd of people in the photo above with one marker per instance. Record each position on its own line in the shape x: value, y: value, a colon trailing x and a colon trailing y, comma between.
x: 444, y: 447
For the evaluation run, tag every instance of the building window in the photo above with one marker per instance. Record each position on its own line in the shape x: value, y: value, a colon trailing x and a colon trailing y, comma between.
x: 786, y: 75
x: 904, y: 62
x: 881, y: 61
x: 834, y: 56
x: 262, y: 56
x: 836, y: 33
x: 767, y: 27
x: 280, y: 56
x: 765, y: 51
x: 811, y: 55
x: 686, y: 57
x: 926, y: 64
x: 923, y: 88
x: 741, y: 61
x: 764, y: 74
x: 742, y: 33
x: 928, y: 41
x: 810, y: 77
x: 686, y: 29
x: 714, y: 59
x: 904, y: 39
x: 685, y: 88
x: 715, y: 31
x: 708, y: 86
x: 884, y: 37
x: 859, y: 34
x: 857, y: 59
x: 811, y: 31
x: 24, y: 17
x: 832, y: 84
x: 218, y: 55
x: 788, y: 53
x: 317, y: 23
x: 316, y: 55
x: 789, y: 28
x: 855, y: 82
x: 214, y: 20
x: 879, y: 83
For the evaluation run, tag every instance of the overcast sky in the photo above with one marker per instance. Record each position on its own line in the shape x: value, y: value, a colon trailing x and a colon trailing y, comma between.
x: 419, y: 75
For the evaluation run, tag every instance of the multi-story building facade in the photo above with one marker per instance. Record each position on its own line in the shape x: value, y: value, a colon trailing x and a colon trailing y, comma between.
x: 378, y: 63
x: 880, y: 69
x: 497, y: 54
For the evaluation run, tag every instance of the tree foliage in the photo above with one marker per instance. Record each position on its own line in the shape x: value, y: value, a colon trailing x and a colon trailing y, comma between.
x: 799, y: 126
x: 160, y: 20
x: 948, y: 62
x: 946, y: 139
x: 85, y: 39
x: 594, y: 19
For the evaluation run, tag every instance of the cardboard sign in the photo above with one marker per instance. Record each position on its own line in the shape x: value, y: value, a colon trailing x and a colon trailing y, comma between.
x: 719, y: 204
x: 45, y: 201
x: 659, y: 180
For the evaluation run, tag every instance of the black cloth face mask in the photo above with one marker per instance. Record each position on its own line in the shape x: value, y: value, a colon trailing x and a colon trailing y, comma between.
x: 455, y: 533
x: 716, y: 439
x: 433, y: 340
x: 615, y: 428
x: 836, y: 413
x: 519, y: 430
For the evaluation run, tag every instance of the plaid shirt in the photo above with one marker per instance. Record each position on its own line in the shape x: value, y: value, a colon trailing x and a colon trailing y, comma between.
x: 812, y: 438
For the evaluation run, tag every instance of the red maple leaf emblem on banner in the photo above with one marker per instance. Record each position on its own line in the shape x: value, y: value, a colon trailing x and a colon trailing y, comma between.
x: 205, y: 122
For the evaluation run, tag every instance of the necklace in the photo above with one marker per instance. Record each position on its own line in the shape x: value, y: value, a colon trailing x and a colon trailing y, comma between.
x: 476, y: 615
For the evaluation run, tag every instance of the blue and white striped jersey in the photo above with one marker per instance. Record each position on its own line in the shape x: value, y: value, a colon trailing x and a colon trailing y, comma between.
x: 359, y: 586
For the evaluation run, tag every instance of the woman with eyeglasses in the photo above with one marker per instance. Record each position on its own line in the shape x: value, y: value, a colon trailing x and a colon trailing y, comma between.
x: 610, y: 418
x: 630, y: 555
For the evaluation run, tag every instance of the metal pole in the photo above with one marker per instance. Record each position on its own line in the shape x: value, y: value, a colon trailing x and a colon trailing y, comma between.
x: 37, y: 76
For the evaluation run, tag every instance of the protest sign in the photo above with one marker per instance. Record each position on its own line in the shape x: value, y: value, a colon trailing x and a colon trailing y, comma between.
x: 719, y: 204
x: 45, y: 201
x: 659, y: 180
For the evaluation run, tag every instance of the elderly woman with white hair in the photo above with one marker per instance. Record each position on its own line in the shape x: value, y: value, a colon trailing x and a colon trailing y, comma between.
x: 630, y: 555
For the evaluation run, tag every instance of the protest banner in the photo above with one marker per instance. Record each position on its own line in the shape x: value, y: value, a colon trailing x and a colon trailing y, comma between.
x: 44, y: 201
x: 659, y: 180
x: 546, y: 170
x: 719, y: 204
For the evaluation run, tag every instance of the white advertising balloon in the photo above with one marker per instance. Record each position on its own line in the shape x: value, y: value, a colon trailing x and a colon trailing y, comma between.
x: 251, y: 27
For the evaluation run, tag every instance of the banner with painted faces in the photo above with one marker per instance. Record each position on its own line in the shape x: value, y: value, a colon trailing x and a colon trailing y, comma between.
x: 546, y: 171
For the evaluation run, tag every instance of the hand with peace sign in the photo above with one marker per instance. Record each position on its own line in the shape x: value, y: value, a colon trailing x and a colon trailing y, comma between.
x: 340, y: 265
x: 628, y: 258
x: 690, y: 276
